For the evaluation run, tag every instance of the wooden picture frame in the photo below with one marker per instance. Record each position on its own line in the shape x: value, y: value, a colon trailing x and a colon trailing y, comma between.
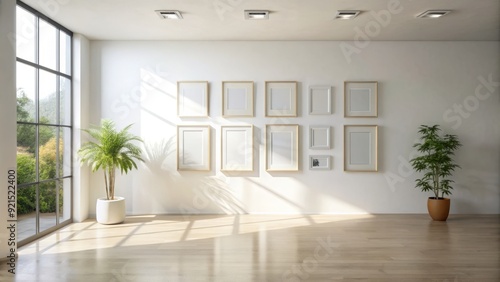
x: 237, y: 148
x: 360, y: 148
x: 237, y: 99
x: 320, y: 162
x: 361, y: 99
x: 320, y: 100
x: 192, y: 99
x: 282, y: 147
x: 193, y: 147
x: 281, y: 99
x: 319, y: 137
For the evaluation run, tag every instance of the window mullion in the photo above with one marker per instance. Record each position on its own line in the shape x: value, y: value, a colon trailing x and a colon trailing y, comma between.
x: 58, y: 119
x: 43, y: 68
x: 37, y: 126
x: 58, y: 50
x: 58, y: 175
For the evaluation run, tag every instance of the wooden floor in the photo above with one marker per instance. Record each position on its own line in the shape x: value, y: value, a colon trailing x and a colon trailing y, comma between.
x: 267, y: 248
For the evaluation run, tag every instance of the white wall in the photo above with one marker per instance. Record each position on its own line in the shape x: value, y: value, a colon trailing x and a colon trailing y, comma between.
x: 419, y: 83
x: 81, y: 91
x: 7, y: 112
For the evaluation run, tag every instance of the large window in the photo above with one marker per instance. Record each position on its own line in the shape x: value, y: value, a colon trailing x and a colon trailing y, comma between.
x: 44, y: 154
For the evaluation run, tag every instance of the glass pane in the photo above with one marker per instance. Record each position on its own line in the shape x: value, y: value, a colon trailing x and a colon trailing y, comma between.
x: 26, y: 138
x: 25, y: 85
x: 65, y: 200
x: 26, y: 212
x: 25, y: 35
x: 26, y: 167
x: 65, y: 101
x: 47, y: 153
x: 65, y: 152
x: 47, y: 204
x: 64, y: 53
x: 48, y: 97
x: 48, y: 45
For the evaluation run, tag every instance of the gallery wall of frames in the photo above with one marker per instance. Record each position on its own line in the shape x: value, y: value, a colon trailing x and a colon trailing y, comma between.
x: 282, y: 140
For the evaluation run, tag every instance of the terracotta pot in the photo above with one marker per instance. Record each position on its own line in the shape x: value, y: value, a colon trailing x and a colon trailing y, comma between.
x: 438, y: 208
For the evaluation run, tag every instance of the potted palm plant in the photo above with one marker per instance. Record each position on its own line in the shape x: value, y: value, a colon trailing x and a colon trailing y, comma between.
x: 437, y: 164
x: 110, y: 150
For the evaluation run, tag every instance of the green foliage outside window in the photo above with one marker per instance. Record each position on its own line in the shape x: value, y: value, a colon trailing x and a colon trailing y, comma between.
x: 26, y: 162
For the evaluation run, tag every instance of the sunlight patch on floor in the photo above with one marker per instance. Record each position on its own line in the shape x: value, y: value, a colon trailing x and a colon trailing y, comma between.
x: 160, y: 229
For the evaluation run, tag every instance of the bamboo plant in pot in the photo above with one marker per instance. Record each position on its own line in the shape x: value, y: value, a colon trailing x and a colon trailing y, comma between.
x: 110, y: 150
x: 437, y: 164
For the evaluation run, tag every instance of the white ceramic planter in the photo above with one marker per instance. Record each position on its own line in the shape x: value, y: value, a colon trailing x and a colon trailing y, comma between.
x: 110, y: 211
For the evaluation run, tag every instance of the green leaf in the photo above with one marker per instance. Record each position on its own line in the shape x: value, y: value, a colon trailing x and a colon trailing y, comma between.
x: 435, y: 160
x: 110, y: 149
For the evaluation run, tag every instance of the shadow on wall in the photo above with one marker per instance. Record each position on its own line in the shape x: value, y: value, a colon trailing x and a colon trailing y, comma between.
x: 186, y: 193
x: 157, y: 153
x: 219, y: 193
x: 202, y: 194
x: 475, y: 180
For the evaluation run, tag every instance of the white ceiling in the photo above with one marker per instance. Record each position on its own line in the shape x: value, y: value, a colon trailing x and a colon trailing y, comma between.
x: 289, y: 19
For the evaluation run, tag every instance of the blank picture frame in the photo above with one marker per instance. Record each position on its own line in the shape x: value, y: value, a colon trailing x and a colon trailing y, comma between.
x: 237, y: 148
x: 320, y: 100
x: 281, y: 99
x: 319, y: 137
x: 193, y: 147
x: 192, y: 98
x: 360, y: 99
x: 282, y: 147
x: 320, y: 162
x: 360, y: 148
x: 237, y: 99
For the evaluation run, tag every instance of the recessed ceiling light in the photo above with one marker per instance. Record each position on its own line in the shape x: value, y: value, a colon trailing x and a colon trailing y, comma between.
x: 169, y: 14
x: 433, y: 14
x: 256, y: 14
x: 346, y: 14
